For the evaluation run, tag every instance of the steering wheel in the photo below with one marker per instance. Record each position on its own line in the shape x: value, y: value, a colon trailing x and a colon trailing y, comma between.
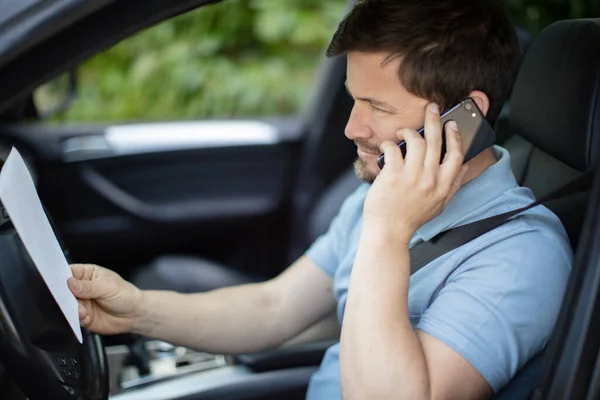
x: 37, y: 346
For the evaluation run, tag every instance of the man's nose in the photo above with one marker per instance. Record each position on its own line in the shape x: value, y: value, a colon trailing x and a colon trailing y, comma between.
x: 357, y: 126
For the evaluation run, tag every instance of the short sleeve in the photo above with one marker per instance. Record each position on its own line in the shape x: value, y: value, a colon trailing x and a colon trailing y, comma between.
x: 326, y: 252
x: 499, y: 307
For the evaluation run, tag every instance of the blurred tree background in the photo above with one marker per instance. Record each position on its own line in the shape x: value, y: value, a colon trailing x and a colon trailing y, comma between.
x: 237, y: 58
x: 535, y: 15
x: 234, y: 58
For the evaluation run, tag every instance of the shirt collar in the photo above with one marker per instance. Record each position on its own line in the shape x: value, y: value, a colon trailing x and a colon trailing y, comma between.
x: 489, y: 185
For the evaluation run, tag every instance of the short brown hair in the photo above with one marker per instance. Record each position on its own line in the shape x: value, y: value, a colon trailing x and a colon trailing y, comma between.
x: 448, y: 47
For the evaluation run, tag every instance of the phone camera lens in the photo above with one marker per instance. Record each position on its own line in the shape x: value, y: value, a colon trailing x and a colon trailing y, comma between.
x: 468, y: 106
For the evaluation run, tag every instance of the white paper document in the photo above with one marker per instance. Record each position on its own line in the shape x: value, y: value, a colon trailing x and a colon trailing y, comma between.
x: 21, y: 201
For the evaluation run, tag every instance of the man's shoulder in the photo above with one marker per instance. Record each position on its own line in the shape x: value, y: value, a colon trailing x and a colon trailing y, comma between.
x: 534, y: 241
x: 530, y: 247
x: 536, y: 227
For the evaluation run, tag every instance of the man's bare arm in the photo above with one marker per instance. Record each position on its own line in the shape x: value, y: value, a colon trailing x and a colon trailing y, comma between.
x: 239, y: 319
x: 381, y: 355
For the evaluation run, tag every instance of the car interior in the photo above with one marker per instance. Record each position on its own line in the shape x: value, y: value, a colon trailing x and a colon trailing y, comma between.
x: 546, y: 154
x: 197, y: 213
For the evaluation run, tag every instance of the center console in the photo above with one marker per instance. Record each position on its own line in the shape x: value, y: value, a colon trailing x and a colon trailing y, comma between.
x: 162, y: 362
x: 168, y: 372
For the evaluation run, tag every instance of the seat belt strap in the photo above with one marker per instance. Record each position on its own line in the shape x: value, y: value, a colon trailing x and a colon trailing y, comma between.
x: 423, y: 253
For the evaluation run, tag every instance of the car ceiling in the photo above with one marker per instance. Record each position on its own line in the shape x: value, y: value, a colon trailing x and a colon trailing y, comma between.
x: 25, y: 23
x: 42, y: 38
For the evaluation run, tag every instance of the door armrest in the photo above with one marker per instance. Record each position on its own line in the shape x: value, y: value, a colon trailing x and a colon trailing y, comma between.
x: 302, y: 355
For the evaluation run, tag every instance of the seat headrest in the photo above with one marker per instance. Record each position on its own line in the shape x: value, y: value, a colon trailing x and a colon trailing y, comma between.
x: 555, y: 102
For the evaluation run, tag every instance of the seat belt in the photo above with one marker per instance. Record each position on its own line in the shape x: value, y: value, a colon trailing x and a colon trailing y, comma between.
x: 423, y: 253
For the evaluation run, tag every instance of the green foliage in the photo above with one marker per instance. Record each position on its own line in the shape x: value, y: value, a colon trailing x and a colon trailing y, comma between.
x: 235, y: 58
x: 534, y: 15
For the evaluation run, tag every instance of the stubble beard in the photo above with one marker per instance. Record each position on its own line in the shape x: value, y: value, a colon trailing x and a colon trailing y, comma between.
x: 362, y: 171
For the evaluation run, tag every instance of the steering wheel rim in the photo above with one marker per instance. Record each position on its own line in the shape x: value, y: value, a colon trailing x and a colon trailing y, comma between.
x: 37, y: 346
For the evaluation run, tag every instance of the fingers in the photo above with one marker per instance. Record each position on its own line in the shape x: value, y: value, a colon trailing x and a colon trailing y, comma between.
x: 75, y: 285
x: 81, y: 289
x: 416, y: 149
x: 89, y: 281
x: 433, y: 136
x: 393, y: 155
x: 453, y: 160
x: 84, y: 271
x: 89, y: 289
x: 84, y: 318
x: 423, y: 154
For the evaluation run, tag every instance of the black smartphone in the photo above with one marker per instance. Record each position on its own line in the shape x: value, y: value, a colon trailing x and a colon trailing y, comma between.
x: 476, y: 133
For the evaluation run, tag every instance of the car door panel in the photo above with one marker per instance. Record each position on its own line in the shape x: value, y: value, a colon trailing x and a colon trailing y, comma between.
x: 121, y: 195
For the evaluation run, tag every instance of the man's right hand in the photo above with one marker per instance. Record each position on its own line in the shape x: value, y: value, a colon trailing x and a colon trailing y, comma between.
x: 107, y: 303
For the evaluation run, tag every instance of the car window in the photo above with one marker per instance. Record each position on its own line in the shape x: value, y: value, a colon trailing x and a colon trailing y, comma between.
x: 233, y: 59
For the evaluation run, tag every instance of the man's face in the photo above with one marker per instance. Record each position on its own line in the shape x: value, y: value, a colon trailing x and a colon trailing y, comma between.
x: 381, y: 107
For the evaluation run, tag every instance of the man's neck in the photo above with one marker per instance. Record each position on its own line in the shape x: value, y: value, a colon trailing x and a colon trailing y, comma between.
x: 479, y: 163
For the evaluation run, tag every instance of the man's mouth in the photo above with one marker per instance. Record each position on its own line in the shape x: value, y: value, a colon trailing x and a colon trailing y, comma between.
x: 364, y: 152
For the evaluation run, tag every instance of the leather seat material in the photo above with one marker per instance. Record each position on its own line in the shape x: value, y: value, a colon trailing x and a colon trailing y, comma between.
x: 188, y: 274
x: 545, y: 173
x: 329, y: 205
x: 554, y: 103
x: 520, y: 154
x: 555, y: 114
x: 556, y: 117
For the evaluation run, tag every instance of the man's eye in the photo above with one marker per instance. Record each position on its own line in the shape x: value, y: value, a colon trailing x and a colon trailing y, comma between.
x: 378, y: 109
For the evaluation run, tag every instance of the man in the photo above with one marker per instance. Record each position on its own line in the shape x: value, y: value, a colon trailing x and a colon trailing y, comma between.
x: 462, y: 326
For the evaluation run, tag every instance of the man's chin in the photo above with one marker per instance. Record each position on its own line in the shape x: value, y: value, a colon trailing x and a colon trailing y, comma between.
x: 364, y: 172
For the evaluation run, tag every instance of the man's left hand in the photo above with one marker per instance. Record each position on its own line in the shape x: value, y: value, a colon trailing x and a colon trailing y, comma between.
x: 409, y: 192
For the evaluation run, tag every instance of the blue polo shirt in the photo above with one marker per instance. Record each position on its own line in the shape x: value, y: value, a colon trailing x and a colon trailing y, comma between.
x: 494, y: 300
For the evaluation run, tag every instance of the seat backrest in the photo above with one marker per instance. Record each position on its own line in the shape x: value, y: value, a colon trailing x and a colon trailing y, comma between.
x: 555, y: 115
x: 329, y: 204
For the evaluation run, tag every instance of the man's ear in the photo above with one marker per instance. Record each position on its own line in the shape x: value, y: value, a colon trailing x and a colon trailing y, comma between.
x: 481, y: 99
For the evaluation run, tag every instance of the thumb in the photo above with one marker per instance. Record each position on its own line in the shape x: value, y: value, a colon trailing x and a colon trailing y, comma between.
x: 88, y: 289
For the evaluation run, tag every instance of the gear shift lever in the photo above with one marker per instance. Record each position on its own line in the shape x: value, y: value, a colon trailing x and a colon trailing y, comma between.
x: 138, y: 356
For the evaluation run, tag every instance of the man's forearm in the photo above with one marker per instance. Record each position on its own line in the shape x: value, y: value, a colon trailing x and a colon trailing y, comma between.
x: 381, y: 356
x: 231, y: 320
